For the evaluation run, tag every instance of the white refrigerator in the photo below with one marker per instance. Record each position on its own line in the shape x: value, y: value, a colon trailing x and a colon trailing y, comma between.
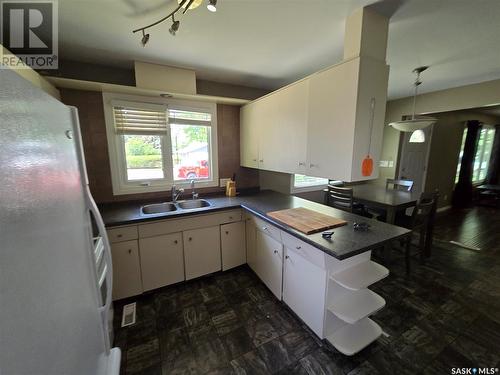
x: 55, y: 271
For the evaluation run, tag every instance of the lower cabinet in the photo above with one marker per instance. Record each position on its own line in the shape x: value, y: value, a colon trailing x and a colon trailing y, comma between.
x: 162, y: 260
x: 232, y: 238
x: 202, y: 253
x: 126, y: 269
x: 304, y: 286
x: 269, y: 262
x: 251, y: 243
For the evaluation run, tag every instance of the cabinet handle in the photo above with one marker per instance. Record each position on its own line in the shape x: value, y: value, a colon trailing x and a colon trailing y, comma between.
x: 261, y: 160
x: 264, y: 228
x: 276, y: 251
x: 175, y: 242
x: 119, y: 235
x: 230, y: 218
x: 254, y: 159
x: 227, y: 232
x: 302, y: 164
x: 287, y: 257
x: 130, y: 251
x: 298, y: 247
x: 311, y: 165
x: 190, y: 238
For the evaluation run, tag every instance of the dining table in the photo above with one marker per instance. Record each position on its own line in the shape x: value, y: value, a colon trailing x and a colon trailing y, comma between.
x: 389, y: 200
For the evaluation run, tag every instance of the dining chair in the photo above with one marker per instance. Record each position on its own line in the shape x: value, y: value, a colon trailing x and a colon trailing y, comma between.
x: 342, y: 198
x: 421, y: 221
x: 390, y: 184
x: 404, y: 185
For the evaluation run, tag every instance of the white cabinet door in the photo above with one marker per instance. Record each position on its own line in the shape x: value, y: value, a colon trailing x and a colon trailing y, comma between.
x: 304, y: 288
x: 269, y: 264
x: 233, y: 245
x: 249, y: 135
x: 285, y: 129
x: 332, y: 109
x: 162, y: 260
x: 201, y: 251
x: 126, y: 269
x: 251, y: 239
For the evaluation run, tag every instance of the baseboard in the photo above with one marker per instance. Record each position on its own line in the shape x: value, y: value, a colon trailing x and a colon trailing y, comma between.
x: 442, y: 209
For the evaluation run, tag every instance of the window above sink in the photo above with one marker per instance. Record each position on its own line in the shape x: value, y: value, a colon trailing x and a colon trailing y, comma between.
x: 155, y: 143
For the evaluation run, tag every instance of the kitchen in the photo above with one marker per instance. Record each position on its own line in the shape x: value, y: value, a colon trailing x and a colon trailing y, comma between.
x: 220, y: 240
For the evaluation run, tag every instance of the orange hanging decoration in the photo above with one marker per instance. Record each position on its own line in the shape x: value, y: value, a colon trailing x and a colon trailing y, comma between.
x: 367, y: 164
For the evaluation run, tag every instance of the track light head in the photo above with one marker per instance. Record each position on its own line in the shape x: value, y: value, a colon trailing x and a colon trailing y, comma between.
x: 212, y: 6
x: 175, y: 27
x: 145, y: 39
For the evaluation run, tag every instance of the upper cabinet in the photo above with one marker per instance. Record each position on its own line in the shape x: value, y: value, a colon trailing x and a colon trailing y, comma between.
x: 330, y: 123
x: 323, y: 126
x: 346, y: 119
x: 270, y: 123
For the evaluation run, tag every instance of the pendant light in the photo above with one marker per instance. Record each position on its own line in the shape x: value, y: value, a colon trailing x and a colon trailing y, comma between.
x: 414, y: 123
x: 418, y: 136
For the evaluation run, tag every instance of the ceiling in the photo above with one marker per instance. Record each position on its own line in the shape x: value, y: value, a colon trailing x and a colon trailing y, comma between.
x: 270, y: 43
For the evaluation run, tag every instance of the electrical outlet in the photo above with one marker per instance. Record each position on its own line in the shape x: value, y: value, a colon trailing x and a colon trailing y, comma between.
x: 223, y: 182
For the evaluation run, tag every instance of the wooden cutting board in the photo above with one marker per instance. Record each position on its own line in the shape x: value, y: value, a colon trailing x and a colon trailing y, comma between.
x: 305, y: 220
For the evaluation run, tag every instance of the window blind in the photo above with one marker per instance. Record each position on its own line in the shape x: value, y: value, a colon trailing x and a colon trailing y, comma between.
x: 139, y: 119
x: 179, y: 117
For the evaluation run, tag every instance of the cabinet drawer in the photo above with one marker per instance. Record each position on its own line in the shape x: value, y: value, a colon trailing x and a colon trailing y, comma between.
x: 267, y: 228
x: 308, y: 252
x: 230, y: 216
x: 122, y: 234
x: 188, y: 223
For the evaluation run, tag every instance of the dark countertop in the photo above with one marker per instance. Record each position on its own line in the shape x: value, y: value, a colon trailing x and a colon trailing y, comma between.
x: 345, y: 242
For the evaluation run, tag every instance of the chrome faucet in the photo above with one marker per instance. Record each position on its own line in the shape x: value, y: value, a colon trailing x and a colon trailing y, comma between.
x: 176, y: 193
x: 193, y: 193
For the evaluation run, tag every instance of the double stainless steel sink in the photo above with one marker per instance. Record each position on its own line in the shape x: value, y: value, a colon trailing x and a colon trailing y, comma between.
x: 160, y: 208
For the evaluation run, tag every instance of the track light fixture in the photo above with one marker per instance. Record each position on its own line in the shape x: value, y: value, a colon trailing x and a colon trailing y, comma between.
x: 212, y: 5
x: 175, y: 26
x: 184, y: 6
x: 145, y: 38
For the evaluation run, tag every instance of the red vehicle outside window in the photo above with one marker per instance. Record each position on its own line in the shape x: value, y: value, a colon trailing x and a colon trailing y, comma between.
x: 190, y: 172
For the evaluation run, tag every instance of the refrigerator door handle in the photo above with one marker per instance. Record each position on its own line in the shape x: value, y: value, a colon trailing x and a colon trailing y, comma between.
x: 107, y: 249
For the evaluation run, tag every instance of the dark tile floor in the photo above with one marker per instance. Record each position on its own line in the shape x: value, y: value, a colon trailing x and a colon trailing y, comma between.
x: 446, y: 314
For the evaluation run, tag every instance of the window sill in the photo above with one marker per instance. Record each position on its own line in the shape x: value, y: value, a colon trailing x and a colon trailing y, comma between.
x: 306, y: 189
x: 127, y: 190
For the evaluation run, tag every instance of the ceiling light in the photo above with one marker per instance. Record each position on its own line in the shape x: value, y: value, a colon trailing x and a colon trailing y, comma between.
x: 145, y: 39
x: 175, y: 26
x: 191, y: 4
x: 418, y: 136
x: 414, y: 123
x: 182, y: 4
x: 212, y: 5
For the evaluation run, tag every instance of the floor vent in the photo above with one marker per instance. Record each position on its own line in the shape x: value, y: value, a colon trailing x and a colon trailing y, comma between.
x: 128, y: 315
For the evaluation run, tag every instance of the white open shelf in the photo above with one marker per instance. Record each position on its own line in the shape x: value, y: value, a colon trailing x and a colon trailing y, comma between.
x: 357, y: 305
x: 352, y: 338
x: 360, y: 276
